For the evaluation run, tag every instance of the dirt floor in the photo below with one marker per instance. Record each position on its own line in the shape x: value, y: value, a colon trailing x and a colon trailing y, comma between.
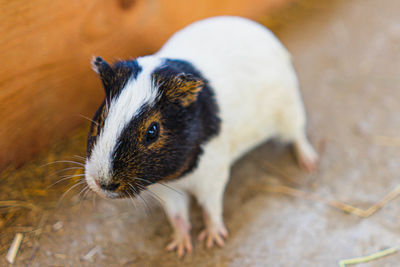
x: 347, y: 54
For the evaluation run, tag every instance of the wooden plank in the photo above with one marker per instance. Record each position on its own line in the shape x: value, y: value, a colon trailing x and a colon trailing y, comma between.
x: 45, y: 76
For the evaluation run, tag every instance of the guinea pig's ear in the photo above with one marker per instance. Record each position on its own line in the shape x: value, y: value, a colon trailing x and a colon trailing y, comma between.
x: 106, y: 73
x: 184, y: 88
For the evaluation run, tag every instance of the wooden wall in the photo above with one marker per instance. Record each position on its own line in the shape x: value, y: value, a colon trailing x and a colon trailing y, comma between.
x: 46, y: 82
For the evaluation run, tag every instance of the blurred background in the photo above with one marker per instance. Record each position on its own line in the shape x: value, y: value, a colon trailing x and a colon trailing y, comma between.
x: 347, y: 55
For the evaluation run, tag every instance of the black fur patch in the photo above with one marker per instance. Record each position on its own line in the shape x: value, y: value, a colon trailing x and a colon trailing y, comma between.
x: 114, y: 80
x: 184, y: 129
x: 95, y: 128
x: 124, y: 71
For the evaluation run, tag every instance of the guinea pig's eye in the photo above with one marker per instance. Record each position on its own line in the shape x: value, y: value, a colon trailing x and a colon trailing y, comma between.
x: 152, y: 133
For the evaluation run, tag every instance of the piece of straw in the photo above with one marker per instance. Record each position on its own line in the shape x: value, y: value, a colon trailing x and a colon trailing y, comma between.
x: 387, y: 141
x: 12, y: 252
x: 91, y: 253
x: 374, y: 256
x: 17, y: 203
x: 364, y: 213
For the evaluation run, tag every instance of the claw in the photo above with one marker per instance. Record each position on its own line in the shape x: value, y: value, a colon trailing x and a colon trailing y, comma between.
x: 181, y: 245
x: 213, y: 235
x: 181, y: 241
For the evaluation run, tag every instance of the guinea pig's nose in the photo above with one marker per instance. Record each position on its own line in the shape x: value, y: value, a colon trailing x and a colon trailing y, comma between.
x: 110, y: 187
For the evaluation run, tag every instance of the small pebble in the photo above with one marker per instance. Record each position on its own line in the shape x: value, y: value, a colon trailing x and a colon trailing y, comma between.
x: 60, y: 256
x: 57, y: 226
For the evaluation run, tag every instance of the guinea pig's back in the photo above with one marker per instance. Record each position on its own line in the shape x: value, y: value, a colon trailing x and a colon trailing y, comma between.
x: 249, y: 70
x: 227, y: 45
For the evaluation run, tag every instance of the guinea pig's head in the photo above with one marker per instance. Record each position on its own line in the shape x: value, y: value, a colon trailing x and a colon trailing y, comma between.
x: 150, y: 126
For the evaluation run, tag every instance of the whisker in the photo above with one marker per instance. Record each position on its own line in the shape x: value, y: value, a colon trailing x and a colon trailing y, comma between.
x: 145, y: 203
x: 62, y: 179
x: 108, y: 104
x: 84, y: 189
x: 140, y: 179
x: 89, y: 119
x: 94, y: 200
x: 86, y: 193
x: 66, y: 192
x: 79, y: 158
x: 170, y: 187
x: 154, y: 196
x: 66, y: 169
x: 73, y: 175
x: 63, y: 161
x: 132, y: 200
x: 82, y: 198
x: 142, y: 201
x: 161, y: 183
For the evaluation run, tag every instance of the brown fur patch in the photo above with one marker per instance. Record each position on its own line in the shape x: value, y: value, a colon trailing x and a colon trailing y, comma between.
x: 95, y: 127
x: 183, y: 88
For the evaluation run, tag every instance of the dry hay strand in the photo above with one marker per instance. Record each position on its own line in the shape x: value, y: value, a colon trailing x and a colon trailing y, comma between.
x: 17, y: 203
x: 364, y: 213
x: 30, y: 197
x: 12, y: 252
x: 387, y: 141
x: 371, y: 257
x: 286, y: 177
x: 277, y: 172
x: 36, y: 237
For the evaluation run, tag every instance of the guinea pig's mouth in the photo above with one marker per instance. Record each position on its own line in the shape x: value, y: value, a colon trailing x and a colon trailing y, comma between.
x: 95, y: 187
x: 123, y: 190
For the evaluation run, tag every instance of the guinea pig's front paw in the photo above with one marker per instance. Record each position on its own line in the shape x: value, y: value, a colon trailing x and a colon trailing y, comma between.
x: 181, y: 244
x: 181, y: 240
x: 214, y: 234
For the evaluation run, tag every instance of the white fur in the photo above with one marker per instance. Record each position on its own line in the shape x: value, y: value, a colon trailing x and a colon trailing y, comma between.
x: 122, y: 109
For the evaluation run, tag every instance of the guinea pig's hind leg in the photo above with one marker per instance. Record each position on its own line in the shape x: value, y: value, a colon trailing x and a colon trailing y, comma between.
x: 214, y: 232
x: 306, y: 155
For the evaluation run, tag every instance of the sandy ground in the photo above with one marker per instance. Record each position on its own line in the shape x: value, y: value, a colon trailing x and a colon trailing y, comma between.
x: 347, y: 55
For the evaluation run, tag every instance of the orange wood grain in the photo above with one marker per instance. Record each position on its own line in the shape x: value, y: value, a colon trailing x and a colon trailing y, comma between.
x: 46, y: 45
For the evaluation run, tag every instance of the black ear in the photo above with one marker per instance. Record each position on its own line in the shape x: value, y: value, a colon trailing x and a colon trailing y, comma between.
x: 116, y: 76
x: 106, y: 73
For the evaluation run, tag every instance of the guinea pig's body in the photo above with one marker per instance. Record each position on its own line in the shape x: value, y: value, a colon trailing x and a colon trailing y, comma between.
x: 252, y: 77
x: 249, y: 94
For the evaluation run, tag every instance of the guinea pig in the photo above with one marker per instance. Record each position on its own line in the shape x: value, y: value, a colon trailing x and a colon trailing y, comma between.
x: 174, y: 122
